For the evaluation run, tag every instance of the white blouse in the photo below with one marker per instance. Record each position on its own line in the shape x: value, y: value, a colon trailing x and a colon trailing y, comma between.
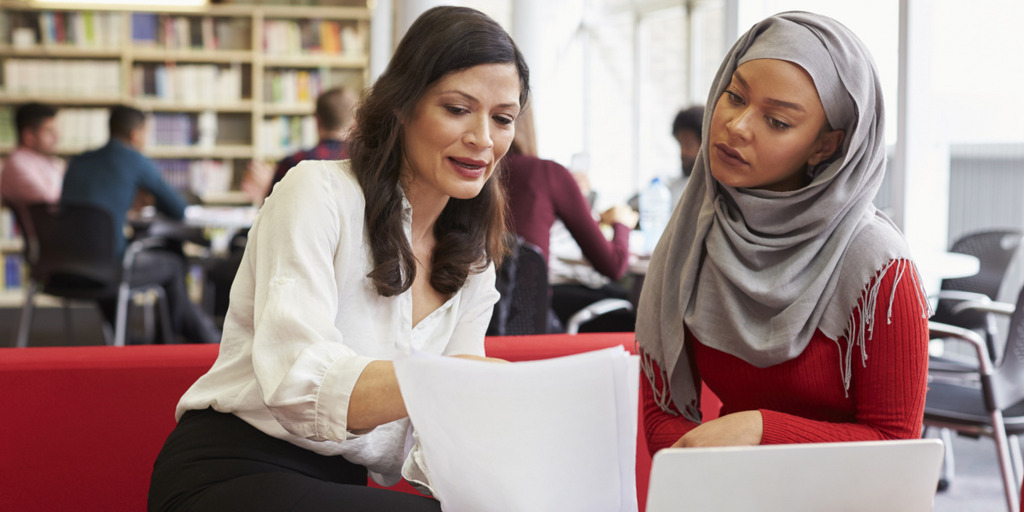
x: 304, y: 321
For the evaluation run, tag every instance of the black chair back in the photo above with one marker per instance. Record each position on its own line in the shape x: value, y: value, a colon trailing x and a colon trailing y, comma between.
x: 1008, y: 380
x: 74, y: 250
x: 995, y: 250
x: 525, y: 297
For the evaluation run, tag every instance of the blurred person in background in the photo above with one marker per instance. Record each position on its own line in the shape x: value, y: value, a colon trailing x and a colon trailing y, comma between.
x: 335, y: 118
x: 541, y: 192
x: 111, y: 178
x: 31, y: 173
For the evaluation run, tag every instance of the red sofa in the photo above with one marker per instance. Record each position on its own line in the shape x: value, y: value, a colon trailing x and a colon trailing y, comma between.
x: 82, y: 426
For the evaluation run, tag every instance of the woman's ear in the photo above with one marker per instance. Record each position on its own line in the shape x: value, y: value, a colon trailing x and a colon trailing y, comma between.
x: 828, y: 142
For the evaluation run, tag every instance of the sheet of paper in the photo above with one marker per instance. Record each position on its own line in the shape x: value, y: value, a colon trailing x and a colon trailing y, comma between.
x: 550, y: 435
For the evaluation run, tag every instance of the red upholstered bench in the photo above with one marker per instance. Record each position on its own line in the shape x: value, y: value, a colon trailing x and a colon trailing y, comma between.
x: 82, y: 426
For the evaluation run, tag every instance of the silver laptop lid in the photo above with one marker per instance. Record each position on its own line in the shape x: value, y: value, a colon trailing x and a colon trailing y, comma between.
x: 876, y: 476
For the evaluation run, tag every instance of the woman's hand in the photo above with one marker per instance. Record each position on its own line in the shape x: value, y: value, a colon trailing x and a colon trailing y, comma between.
x: 480, y: 358
x: 621, y: 214
x: 736, y: 429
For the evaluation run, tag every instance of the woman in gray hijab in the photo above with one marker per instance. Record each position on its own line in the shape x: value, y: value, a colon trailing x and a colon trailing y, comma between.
x: 777, y: 283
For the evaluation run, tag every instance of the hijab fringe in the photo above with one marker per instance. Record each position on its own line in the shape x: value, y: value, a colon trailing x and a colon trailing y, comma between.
x: 859, y: 333
x: 661, y: 393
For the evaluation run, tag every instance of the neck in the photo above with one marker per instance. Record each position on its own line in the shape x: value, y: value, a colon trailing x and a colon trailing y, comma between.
x: 35, y: 149
x: 425, y: 212
x: 332, y: 135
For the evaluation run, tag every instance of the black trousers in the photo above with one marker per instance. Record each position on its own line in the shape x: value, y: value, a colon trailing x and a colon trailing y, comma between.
x: 216, y: 462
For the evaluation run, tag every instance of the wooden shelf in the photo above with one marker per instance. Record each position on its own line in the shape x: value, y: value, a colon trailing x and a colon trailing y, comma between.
x: 186, y: 152
x: 12, y: 245
x: 61, y: 52
x: 315, y: 61
x: 62, y: 100
x: 291, y: 109
x: 188, y: 56
x: 231, y: 197
x: 15, y: 298
x: 158, y: 105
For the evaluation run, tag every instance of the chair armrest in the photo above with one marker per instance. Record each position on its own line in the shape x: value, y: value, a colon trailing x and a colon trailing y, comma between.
x: 138, y: 246
x: 960, y: 295
x: 980, y: 347
x: 986, y: 306
x: 595, y: 310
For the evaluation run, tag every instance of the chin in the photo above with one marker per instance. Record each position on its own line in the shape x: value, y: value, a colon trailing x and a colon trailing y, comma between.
x: 466, y: 194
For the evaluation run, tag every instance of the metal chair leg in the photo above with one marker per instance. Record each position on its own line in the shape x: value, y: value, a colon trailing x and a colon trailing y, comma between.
x: 121, y: 320
x: 69, y: 324
x: 948, y: 462
x: 25, y: 319
x: 1015, y: 457
x: 1010, y: 485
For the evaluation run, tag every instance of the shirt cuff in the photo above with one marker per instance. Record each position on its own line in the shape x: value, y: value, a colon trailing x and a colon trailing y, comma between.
x: 334, y: 395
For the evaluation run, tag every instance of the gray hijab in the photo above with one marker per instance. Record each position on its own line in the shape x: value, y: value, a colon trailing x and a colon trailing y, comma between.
x: 754, y: 273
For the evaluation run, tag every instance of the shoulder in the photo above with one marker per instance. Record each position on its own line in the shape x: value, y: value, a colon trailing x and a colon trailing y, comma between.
x: 879, y: 236
x: 481, y: 283
x: 311, y: 179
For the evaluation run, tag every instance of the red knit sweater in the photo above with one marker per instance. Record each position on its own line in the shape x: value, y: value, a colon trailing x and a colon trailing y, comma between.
x: 802, y: 400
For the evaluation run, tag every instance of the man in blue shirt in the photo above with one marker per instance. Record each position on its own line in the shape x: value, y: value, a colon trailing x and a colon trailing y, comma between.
x: 110, y: 177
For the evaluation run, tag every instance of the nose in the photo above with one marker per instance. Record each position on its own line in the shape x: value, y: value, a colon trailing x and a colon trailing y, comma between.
x: 479, y: 132
x: 739, y: 125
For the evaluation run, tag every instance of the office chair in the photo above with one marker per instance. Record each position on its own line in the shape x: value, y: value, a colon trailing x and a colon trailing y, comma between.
x: 994, y: 404
x: 995, y: 250
x: 69, y: 250
x: 525, y: 299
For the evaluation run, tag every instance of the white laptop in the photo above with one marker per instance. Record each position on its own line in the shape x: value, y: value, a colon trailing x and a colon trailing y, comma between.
x: 875, y: 476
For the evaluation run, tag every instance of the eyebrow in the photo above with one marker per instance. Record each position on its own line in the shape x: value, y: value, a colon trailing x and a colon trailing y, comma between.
x: 771, y: 101
x: 473, y: 99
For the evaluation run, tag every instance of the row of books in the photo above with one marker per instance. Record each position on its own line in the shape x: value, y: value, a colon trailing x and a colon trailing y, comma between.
x: 7, y: 136
x: 311, y: 36
x: 204, y: 129
x: 191, y: 32
x: 81, y: 29
x: 286, y: 134
x: 192, y: 84
x: 82, y: 128
x: 200, y: 177
x: 292, y: 86
x: 14, y: 274
x: 172, y: 129
x: 9, y: 231
x: 89, y: 78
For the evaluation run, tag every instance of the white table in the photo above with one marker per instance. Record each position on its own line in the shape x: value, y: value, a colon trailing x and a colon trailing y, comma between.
x: 934, y: 266
x: 220, y: 223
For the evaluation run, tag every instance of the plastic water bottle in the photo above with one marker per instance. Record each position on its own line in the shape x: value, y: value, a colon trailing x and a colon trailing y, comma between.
x: 655, y: 209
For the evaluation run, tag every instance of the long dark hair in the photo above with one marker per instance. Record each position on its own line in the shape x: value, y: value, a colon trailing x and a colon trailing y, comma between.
x: 469, y: 232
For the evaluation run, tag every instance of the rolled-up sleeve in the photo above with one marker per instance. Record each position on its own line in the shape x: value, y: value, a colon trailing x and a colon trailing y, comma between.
x: 304, y: 369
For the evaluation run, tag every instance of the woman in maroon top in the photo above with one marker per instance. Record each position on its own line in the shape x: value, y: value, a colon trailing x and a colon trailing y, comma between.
x: 541, y: 192
x: 777, y: 283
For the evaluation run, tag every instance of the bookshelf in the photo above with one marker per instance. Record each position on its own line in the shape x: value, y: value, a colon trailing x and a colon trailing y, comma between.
x: 223, y: 84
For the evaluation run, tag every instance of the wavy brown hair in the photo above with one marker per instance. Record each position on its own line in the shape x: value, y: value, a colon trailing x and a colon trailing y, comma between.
x: 469, y: 232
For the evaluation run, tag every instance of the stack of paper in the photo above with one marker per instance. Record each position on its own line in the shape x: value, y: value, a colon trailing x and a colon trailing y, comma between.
x: 551, y: 435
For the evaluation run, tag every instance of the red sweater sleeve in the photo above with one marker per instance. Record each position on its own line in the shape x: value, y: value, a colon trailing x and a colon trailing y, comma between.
x: 608, y: 258
x: 888, y: 389
x: 661, y: 428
